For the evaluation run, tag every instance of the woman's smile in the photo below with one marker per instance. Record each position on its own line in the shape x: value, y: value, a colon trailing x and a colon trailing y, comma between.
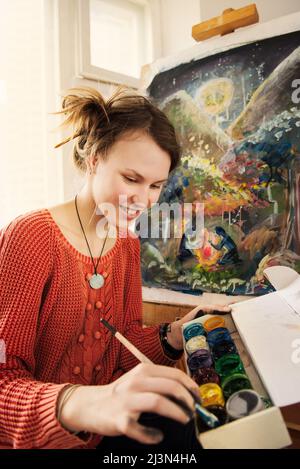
x: 130, y: 213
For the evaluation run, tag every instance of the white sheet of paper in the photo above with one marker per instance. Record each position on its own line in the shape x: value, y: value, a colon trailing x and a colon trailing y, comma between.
x: 270, y: 329
x: 280, y: 276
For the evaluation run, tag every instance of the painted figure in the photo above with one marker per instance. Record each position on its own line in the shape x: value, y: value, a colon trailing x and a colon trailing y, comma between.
x: 226, y: 242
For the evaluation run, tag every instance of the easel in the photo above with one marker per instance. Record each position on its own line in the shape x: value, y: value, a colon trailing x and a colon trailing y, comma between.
x: 228, y: 22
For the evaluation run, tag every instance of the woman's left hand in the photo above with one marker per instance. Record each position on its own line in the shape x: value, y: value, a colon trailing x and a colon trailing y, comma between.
x: 174, y: 336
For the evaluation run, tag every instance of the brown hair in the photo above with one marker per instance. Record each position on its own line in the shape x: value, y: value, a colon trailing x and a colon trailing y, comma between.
x: 98, y: 123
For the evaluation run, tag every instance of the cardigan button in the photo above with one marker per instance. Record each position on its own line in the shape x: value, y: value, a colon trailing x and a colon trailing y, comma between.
x: 97, y: 334
x: 105, y: 274
x: 81, y: 338
x: 88, y: 277
x: 76, y: 370
x: 98, y: 367
x: 88, y: 307
x: 98, y: 304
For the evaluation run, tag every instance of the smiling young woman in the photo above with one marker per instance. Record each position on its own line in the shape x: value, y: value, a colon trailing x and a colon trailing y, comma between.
x: 62, y: 268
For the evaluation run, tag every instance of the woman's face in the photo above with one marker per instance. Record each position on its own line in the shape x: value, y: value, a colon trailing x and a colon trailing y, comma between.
x: 130, y: 180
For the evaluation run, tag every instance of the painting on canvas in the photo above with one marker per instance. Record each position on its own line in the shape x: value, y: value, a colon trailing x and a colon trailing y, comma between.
x: 237, y: 118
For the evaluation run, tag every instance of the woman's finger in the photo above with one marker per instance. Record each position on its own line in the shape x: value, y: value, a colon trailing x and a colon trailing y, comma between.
x: 232, y: 302
x: 159, y: 404
x: 161, y: 371
x: 199, y: 311
x: 167, y: 387
x: 216, y: 309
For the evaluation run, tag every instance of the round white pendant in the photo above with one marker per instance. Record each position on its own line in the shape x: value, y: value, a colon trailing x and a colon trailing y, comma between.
x: 96, y: 281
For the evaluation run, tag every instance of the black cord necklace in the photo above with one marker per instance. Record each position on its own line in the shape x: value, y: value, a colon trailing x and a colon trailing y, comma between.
x: 97, y: 280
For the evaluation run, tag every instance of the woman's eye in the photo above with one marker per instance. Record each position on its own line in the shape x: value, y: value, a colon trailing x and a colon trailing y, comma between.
x: 129, y: 179
x: 161, y: 186
x: 134, y: 180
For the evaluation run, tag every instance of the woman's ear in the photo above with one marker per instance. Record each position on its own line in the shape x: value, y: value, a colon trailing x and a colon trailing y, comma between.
x: 90, y: 169
x: 91, y: 165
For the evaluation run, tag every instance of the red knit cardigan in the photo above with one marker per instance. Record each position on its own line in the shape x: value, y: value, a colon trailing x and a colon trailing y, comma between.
x: 49, y: 324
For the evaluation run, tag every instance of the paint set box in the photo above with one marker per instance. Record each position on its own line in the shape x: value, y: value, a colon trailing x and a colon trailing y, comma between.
x: 263, y: 333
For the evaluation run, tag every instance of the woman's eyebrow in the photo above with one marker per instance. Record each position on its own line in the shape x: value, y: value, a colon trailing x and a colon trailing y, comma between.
x: 140, y: 176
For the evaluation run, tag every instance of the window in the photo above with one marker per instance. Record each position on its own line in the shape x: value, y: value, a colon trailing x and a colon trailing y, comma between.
x: 116, y: 38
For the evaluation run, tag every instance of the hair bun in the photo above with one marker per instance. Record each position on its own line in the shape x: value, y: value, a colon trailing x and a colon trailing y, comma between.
x: 85, y: 109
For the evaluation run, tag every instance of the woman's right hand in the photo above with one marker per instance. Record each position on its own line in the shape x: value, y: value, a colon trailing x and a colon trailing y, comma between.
x: 114, y: 409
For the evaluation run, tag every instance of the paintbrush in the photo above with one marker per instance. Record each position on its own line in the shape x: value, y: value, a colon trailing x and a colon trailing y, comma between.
x: 136, y: 352
x: 210, y: 419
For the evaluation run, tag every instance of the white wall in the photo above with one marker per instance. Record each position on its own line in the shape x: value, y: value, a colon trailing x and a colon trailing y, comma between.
x: 177, y: 19
x: 267, y: 9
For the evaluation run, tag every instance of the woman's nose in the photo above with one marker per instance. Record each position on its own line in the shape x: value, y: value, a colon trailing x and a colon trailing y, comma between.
x: 142, y: 199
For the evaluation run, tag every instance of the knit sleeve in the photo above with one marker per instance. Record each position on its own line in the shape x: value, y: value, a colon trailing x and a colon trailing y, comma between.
x: 27, y: 406
x: 146, y: 339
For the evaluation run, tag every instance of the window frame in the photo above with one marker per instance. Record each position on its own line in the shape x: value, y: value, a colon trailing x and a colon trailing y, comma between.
x: 84, y: 68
